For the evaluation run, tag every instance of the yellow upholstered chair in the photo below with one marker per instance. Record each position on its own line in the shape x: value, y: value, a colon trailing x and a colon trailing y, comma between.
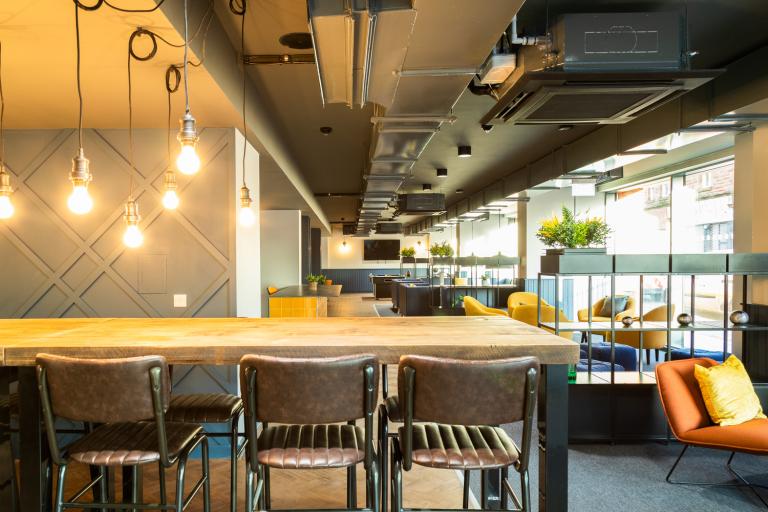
x: 527, y: 313
x: 583, y: 314
x: 473, y: 307
x: 522, y: 299
x: 651, y: 339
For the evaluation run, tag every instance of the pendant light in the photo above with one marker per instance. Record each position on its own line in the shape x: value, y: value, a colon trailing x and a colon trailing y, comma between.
x: 247, y: 216
x: 187, y: 162
x: 6, y: 206
x: 170, y: 197
x: 79, y: 201
x: 132, y: 238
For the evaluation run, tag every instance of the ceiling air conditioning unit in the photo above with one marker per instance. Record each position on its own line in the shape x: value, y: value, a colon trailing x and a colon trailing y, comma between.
x: 389, y: 228
x: 602, y: 69
x: 348, y: 229
x: 420, y: 203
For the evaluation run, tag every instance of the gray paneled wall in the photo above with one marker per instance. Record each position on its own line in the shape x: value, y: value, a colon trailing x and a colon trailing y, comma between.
x: 57, y: 264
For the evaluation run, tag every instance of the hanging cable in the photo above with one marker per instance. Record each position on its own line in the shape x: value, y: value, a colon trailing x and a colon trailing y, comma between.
x: 186, y: 50
x: 242, y: 64
x: 2, y: 112
x: 79, y: 86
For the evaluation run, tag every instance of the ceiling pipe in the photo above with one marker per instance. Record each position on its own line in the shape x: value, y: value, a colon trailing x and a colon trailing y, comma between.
x: 524, y: 40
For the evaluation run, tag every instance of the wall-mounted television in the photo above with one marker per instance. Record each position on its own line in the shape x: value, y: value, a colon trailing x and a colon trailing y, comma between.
x: 381, y: 250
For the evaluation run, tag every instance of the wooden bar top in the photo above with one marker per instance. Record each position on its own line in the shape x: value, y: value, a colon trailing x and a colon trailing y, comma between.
x: 226, y: 340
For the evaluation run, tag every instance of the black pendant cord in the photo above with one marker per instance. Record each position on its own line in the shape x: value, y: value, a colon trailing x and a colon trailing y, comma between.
x: 130, y: 122
x: 186, y: 51
x: 2, y: 113
x: 79, y: 85
x: 242, y: 63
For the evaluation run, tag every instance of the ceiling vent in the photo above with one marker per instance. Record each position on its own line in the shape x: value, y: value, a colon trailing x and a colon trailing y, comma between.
x: 601, y: 69
x: 389, y: 228
x: 420, y: 203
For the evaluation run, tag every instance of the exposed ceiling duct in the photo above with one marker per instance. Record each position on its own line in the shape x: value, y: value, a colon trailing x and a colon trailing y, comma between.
x: 348, y: 35
x: 598, y: 69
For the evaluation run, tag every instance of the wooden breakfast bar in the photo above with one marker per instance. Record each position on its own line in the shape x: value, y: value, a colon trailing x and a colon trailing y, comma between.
x: 223, y: 341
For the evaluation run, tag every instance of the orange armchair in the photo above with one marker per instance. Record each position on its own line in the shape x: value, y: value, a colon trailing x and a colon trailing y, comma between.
x: 583, y: 314
x: 473, y: 307
x: 522, y: 299
x: 690, y: 423
x: 651, y: 339
x: 528, y: 313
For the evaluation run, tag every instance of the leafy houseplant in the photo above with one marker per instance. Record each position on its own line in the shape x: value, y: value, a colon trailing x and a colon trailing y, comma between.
x: 441, y: 250
x: 407, y: 252
x: 314, y: 280
x: 572, y: 233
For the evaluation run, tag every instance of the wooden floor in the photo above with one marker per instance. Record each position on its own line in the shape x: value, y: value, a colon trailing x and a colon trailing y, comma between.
x: 291, y: 489
x: 423, y: 487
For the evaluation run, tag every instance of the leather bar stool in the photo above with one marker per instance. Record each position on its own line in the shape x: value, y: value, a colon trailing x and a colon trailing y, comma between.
x: 462, y: 403
x: 390, y: 410
x: 308, y: 409
x: 127, y: 398
x: 213, y: 408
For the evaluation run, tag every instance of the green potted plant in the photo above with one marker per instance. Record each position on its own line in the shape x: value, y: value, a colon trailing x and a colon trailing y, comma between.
x: 408, y: 255
x: 562, y: 235
x: 575, y: 246
x: 314, y: 279
x: 441, y: 250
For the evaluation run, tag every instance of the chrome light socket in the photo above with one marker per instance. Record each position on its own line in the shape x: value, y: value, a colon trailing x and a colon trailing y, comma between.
x: 188, y: 132
x: 169, y: 180
x: 81, y: 173
x: 131, y: 215
x: 245, y: 197
x: 5, y: 182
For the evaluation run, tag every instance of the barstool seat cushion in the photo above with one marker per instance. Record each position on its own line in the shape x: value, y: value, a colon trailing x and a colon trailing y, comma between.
x: 203, y: 408
x: 392, y: 404
x: 462, y: 447
x: 311, y: 446
x: 129, y: 444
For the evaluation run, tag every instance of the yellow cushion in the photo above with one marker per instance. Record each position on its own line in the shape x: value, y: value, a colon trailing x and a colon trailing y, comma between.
x: 728, y: 393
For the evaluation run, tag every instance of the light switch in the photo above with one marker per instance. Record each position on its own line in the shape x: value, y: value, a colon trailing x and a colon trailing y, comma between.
x: 180, y: 301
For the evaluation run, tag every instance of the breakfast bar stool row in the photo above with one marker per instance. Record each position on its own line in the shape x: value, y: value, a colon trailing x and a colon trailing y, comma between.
x: 308, y: 410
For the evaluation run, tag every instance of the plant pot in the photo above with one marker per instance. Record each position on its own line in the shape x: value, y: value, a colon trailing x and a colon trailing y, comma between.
x: 578, y: 250
x: 312, y: 286
x: 408, y: 259
x: 577, y: 261
x: 328, y: 282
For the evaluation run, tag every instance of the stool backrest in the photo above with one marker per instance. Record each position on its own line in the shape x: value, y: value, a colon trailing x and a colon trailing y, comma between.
x: 681, y: 396
x: 103, y: 390
x: 309, y: 390
x: 463, y: 392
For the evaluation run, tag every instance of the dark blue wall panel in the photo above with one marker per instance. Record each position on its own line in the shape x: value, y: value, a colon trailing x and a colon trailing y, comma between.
x: 356, y: 280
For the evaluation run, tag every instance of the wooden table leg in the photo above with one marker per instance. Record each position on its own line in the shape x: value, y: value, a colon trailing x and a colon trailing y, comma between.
x: 33, y: 449
x: 8, y: 499
x: 553, y: 438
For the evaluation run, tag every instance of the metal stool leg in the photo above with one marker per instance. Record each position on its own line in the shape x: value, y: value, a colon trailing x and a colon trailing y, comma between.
x: 267, y: 497
x: 351, y: 487
x: 60, y: 489
x: 180, y: 476
x: 135, y: 486
x: 161, y: 479
x: 504, y: 494
x: 248, y: 488
x: 384, y: 458
x: 465, y: 497
x: 206, y: 476
x: 234, y: 441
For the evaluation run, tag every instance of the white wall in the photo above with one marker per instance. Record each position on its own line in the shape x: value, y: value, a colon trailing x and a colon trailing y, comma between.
x: 545, y: 206
x: 280, y: 250
x: 489, y: 237
x: 247, y: 239
x: 335, y: 255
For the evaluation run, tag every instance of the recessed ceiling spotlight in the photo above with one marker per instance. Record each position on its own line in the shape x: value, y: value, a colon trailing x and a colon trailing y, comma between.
x: 465, y: 151
x: 442, y: 173
x: 459, y: 190
x: 297, y: 40
x: 564, y: 127
x: 486, y: 127
x: 426, y: 186
x: 326, y: 130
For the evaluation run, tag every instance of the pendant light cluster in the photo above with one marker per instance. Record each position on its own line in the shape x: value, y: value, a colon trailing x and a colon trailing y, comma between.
x: 79, y: 202
x: 6, y: 205
x: 247, y: 217
x: 187, y: 162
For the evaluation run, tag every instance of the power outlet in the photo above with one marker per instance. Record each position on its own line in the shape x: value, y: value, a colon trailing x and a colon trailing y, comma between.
x: 180, y: 300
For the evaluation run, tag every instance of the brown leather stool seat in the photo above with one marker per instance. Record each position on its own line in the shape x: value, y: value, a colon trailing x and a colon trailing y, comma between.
x: 311, y: 446
x: 203, y: 408
x: 462, y: 447
x: 129, y: 444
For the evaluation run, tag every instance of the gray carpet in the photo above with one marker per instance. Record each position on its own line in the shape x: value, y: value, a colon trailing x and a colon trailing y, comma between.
x: 384, y: 309
x: 630, y: 478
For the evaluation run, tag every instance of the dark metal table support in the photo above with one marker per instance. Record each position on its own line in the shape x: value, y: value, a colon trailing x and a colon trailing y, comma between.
x: 35, y: 467
x: 553, y: 438
x: 7, y: 494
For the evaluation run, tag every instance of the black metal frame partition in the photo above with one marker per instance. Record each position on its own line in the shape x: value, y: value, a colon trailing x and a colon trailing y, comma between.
x: 691, y: 265
x: 473, y: 262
